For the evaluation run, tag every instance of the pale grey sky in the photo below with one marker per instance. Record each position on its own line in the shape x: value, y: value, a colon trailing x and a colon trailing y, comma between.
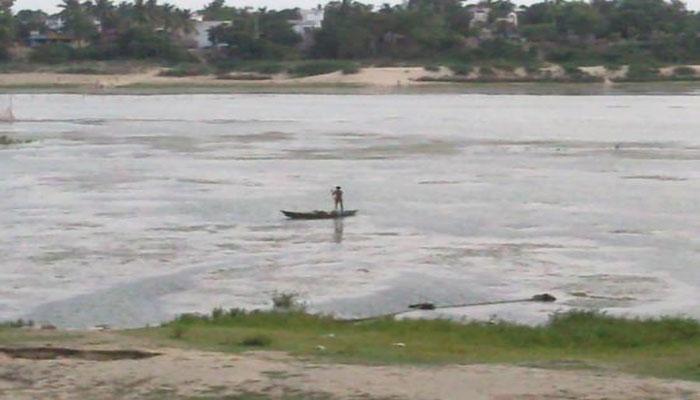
x: 50, y: 5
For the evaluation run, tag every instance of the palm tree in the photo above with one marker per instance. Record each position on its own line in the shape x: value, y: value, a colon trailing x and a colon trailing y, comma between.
x: 139, y: 13
x: 186, y: 24
x: 76, y: 21
x: 105, y: 12
x: 6, y: 5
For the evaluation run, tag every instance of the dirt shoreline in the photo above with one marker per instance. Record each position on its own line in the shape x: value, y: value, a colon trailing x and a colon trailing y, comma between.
x: 375, y: 77
x: 178, y: 373
x: 372, y: 79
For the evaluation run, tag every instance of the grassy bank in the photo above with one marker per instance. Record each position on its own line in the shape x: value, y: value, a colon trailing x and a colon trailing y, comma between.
x: 657, y: 347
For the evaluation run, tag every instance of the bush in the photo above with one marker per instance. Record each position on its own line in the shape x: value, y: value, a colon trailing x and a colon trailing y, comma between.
x: 461, y: 69
x: 431, y: 68
x: 182, y: 70
x: 624, y: 53
x: 486, y: 71
x: 99, y: 52
x: 500, y: 49
x: 684, y: 71
x: 350, y: 69
x: 52, y: 54
x: 5, y: 54
x: 144, y: 44
x: 532, y: 67
x: 243, y: 77
x: 266, y: 68
x: 540, y: 32
x: 225, y: 64
x: 20, y: 323
x: 572, y: 69
x: 641, y: 73
x: 256, y: 341
x: 7, y: 141
x: 286, y: 302
x: 561, y: 56
x: 178, y: 331
x: 283, y: 300
x: 321, y: 67
x: 80, y: 69
x: 386, y: 63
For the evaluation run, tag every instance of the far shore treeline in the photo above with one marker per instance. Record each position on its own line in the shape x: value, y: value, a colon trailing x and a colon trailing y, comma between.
x: 599, y: 32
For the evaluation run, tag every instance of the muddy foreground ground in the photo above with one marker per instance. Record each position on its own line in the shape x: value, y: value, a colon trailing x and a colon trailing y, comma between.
x: 176, y: 373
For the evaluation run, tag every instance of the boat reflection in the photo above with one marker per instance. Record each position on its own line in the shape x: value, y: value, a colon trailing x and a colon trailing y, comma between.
x: 338, y: 230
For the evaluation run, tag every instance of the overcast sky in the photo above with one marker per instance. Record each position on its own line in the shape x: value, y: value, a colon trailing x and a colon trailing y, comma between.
x: 50, y: 5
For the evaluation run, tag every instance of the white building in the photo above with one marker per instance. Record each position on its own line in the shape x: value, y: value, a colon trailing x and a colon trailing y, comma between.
x: 197, y: 17
x: 480, y: 15
x: 310, y: 20
x: 54, y: 23
x: 511, y: 19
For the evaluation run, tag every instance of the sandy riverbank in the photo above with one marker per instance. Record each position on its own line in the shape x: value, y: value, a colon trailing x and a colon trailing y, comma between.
x: 178, y: 373
x: 373, y: 77
x: 379, y: 77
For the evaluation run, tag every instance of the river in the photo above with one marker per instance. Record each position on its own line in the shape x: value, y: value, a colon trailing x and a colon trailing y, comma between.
x: 128, y: 210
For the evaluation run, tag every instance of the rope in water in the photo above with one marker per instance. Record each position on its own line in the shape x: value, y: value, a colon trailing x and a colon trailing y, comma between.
x: 538, y: 298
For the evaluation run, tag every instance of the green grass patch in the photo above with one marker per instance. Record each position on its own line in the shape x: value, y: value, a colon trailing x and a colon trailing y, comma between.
x: 665, y: 347
x: 12, y: 335
x: 256, y: 341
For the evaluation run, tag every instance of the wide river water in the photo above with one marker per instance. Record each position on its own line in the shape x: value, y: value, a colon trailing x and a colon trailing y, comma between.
x: 128, y: 210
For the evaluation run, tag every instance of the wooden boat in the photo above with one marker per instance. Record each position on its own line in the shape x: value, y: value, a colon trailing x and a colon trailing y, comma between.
x: 319, y: 214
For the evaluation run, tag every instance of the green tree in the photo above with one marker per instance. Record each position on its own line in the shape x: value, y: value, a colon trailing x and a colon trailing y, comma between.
x: 258, y: 35
x: 7, y: 29
x: 77, y: 22
x: 27, y: 21
x: 105, y: 12
x: 539, y: 13
x: 638, y: 19
x: 275, y: 27
x: 346, y: 31
x: 577, y: 17
x: 218, y: 11
x: 143, y: 43
x: 500, y: 8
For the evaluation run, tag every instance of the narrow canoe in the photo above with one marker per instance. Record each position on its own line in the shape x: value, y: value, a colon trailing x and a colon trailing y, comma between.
x: 319, y: 214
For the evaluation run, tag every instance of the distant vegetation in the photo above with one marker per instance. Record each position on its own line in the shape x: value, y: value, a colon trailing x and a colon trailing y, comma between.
x: 493, y: 33
x: 6, y: 141
x: 665, y: 347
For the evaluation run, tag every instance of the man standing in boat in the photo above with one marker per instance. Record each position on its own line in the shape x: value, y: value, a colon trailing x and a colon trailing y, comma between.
x: 337, y: 194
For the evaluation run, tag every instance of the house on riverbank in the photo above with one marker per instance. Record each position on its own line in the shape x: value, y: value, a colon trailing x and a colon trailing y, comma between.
x: 37, y: 38
x: 198, y: 38
x: 308, y: 22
